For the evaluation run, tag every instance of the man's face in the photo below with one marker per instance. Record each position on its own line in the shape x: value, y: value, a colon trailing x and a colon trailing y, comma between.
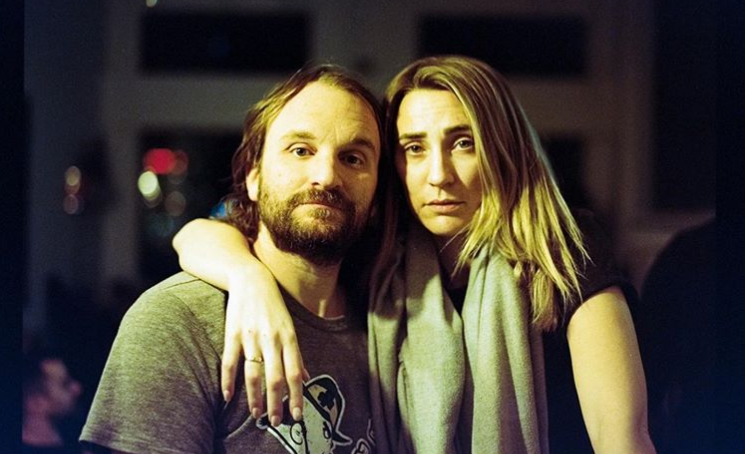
x: 318, y: 173
x: 62, y: 391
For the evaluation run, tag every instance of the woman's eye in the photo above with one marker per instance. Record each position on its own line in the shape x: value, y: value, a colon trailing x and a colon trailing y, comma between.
x: 464, y: 144
x: 413, y: 149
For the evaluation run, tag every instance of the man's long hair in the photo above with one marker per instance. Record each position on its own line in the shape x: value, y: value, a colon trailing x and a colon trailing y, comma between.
x: 522, y: 215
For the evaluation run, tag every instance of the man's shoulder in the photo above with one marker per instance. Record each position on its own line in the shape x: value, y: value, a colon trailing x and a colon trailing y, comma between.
x: 181, y: 297
x: 184, y: 286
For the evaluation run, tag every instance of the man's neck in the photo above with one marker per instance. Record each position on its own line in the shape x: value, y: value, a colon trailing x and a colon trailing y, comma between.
x: 315, y: 287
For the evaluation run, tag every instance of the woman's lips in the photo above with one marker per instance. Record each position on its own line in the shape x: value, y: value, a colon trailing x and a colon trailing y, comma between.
x: 444, y: 206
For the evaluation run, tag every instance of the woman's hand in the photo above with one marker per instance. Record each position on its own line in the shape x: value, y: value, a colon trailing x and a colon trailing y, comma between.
x: 257, y: 322
x: 265, y: 334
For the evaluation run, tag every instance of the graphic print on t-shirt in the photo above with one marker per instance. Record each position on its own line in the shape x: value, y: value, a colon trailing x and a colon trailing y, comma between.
x: 318, y: 432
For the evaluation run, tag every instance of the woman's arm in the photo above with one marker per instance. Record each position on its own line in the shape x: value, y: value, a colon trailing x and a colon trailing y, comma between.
x: 608, y: 374
x: 257, y: 321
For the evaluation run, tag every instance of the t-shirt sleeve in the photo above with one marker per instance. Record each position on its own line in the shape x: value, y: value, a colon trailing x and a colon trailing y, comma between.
x: 158, y: 392
x: 601, y: 271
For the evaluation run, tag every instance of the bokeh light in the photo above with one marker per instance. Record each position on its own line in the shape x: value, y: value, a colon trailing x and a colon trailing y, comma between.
x: 72, y: 204
x: 175, y: 204
x: 160, y: 225
x: 73, y: 178
x: 149, y: 187
x: 159, y: 160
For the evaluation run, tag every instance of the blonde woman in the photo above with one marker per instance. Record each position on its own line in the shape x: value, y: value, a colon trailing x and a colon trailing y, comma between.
x: 488, y: 258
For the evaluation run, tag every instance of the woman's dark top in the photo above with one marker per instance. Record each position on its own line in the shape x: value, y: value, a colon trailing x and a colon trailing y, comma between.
x: 567, y: 433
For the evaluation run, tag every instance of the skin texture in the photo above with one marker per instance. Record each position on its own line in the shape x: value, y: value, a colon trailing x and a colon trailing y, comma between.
x: 608, y: 374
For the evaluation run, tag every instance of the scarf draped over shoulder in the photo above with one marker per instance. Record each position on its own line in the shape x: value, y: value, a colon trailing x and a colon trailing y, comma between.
x: 443, y: 382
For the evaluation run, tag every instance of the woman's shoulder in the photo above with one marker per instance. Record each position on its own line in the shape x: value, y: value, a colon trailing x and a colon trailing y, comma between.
x: 600, y: 270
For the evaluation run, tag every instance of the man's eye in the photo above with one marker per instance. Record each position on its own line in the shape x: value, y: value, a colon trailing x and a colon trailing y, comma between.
x: 301, y: 152
x: 354, y: 160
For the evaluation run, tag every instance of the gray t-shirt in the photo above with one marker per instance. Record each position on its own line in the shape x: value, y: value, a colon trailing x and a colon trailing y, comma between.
x: 160, y: 390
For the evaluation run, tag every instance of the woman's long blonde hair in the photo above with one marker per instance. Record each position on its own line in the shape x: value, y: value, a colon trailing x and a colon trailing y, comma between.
x: 522, y: 215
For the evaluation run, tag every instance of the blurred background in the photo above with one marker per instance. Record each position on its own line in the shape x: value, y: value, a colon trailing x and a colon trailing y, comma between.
x: 134, y: 108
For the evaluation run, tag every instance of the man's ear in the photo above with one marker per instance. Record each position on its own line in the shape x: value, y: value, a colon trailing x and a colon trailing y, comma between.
x: 252, y: 184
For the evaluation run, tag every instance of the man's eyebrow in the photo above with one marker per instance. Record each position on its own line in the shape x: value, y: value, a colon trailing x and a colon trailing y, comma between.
x: 448, y: 131
x: 305, y: 135
x: 362, y: 142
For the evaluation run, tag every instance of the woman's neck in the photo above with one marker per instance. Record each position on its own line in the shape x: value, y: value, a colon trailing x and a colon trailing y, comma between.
x: 448, y: 251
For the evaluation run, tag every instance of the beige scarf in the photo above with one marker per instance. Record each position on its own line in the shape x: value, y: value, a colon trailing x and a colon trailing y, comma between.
x: 442, y: 383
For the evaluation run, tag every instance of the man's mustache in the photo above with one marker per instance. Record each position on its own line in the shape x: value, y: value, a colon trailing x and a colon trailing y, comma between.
x: 333, y: 198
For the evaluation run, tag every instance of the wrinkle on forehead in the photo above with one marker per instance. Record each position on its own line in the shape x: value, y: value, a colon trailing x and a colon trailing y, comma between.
x: 323, y: 112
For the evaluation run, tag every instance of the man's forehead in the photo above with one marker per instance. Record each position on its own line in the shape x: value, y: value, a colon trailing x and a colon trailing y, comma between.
x: 322, y: 96
x: 319, y: 100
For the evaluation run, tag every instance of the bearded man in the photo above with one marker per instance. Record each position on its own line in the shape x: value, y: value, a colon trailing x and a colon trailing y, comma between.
x: 305, y: 185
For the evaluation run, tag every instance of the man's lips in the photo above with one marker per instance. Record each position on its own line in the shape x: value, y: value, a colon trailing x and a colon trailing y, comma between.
x: 323, y: 199
x: 322, y: 205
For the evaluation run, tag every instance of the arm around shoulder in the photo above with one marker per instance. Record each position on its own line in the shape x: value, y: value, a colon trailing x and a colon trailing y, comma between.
x: 608, y: 374
x: 257, y: 320
x: 216, y: 252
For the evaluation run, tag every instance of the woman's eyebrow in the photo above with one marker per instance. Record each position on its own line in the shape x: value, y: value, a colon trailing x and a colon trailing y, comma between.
x: 412, y: 136
x: 457, y: 128
x: 448, y: 131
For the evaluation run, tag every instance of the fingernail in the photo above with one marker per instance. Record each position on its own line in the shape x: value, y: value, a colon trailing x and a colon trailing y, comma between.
x: 297, y: 414
x: 226, y: 395
x: 276, y: 420
x: 255, y: 412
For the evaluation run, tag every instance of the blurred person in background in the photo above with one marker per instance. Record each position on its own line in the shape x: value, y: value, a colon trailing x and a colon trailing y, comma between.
x: 677, y: 333
x: 50, y: 396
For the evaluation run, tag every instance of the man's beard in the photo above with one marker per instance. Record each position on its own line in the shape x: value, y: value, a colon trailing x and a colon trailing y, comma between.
x: 325, y: 234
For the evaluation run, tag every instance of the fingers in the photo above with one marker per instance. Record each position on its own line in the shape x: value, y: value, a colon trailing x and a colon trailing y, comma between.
x: 230, y: 358
x: 295, y: 373
x: 274, y: 375
x: 253, y: 371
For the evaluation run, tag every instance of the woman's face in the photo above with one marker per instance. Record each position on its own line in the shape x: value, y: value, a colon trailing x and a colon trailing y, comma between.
x: 437, y: 162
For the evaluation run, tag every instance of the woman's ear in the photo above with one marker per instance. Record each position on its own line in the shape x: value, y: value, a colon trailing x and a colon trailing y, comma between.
x: 252, y: 184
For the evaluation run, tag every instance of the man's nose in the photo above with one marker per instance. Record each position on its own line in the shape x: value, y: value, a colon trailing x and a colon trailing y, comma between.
x: 324, y: 171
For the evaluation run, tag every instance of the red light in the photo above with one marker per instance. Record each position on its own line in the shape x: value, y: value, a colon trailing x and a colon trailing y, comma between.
x: 159, y: 160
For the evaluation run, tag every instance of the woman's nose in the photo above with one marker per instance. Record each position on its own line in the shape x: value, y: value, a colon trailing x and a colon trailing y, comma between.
x: 440, y: 171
